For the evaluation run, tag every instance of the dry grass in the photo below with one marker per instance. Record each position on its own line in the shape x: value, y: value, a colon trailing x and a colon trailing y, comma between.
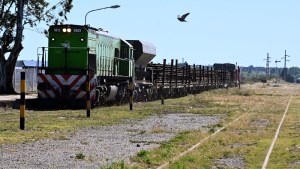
x: 264, y: 105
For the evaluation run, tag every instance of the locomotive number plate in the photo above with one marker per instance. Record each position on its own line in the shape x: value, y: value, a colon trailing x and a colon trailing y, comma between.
x: 77, y: 30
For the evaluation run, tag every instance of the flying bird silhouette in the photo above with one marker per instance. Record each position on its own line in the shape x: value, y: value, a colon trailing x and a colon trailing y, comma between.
x: 182, y: 18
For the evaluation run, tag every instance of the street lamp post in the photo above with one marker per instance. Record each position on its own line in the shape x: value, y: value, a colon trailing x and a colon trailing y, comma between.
x: 113, y: 7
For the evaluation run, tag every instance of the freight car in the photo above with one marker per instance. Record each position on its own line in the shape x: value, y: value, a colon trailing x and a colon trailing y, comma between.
x: 230, y: 72
x: 77, y: 54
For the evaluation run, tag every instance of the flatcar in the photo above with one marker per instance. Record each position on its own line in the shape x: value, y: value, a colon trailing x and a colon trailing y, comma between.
x: 231, y: 73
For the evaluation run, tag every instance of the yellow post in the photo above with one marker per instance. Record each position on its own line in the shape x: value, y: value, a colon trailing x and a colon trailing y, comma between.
x: 22, y: 102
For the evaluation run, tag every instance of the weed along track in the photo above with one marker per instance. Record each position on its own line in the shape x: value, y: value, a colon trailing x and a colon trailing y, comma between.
x: 222, y: 128
x: 232, y: 162
x: 199, y: 143
x: 276, y: 135
x: 245, y: 142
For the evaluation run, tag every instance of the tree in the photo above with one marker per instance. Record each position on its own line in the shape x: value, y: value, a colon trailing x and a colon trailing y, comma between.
x: 15, y: 16
x: 290, y: 78
x: 294, y: 71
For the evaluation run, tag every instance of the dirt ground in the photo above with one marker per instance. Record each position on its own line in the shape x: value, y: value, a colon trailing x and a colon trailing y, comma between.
x: 102, y: 146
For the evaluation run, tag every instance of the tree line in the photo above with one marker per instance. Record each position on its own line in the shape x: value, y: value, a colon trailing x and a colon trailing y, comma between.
x: 256, y: 74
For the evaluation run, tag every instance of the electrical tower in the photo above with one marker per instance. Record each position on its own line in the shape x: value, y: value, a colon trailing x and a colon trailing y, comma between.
x: 284, y: 67
x: 267, y: 65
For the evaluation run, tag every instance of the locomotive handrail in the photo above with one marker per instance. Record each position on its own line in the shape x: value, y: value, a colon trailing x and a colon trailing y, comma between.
x: 110, y: 71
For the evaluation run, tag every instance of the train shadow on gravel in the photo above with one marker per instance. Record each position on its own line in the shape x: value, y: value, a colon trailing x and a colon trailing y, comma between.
x: 37, y: 105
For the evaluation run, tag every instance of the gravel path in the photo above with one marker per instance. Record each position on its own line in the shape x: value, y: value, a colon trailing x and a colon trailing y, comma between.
x: 102, y: 146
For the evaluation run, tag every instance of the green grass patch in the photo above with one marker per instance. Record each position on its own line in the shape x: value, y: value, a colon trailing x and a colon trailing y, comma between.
x: 80, y: 156
x: 61, y: 123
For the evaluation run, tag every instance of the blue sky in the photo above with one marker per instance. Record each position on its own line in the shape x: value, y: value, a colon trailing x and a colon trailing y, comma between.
x: 217, y: 31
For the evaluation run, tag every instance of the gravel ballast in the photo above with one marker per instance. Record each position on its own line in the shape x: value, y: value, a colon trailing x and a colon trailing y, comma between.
x: 234, y: 162
x: 95, y: 147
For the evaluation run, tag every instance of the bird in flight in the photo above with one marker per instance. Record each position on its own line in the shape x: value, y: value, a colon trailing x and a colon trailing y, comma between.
x: 182, y: 18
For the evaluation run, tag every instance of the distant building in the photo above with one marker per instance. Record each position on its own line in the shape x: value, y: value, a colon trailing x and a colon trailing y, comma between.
x: 298, y: 80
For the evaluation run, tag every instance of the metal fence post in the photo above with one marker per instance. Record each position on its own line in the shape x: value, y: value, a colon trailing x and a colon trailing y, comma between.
x: 162, y: 95
x: 87, y: 84
x: 131, y: 88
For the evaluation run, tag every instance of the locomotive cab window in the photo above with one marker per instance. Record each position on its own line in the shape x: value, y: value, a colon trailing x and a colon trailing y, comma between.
x: 92, y: 62
x: 125, y: 50
x: 117, y: 53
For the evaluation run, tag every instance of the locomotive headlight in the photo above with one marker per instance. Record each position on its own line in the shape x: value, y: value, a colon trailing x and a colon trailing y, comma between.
x: 53, y: 39
x: 64, y: 30
x: 68, y: 30
x: 81, y: 39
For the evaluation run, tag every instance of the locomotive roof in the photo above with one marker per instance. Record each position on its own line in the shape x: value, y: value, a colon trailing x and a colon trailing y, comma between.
x: 92, y: 29
x: 87, y: 27
x: 73, y: 25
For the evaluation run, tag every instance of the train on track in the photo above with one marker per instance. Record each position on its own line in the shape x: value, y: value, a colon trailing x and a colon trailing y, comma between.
x: 77, y: 54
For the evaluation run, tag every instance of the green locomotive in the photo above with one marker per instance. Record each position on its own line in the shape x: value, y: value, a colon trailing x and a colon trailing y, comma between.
x: 77, y: 50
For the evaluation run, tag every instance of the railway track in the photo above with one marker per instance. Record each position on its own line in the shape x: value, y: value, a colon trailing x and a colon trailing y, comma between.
x: 276, y: 135
x: 199, y: 143
x: 202, y: 141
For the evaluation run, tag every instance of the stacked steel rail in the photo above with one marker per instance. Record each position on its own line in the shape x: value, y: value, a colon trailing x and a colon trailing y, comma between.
x: 177, y: 80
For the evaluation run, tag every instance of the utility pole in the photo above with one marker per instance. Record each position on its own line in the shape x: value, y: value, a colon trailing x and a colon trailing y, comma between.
x: 284, y: 67
x: 267, y: 65
x: 276, y: 61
